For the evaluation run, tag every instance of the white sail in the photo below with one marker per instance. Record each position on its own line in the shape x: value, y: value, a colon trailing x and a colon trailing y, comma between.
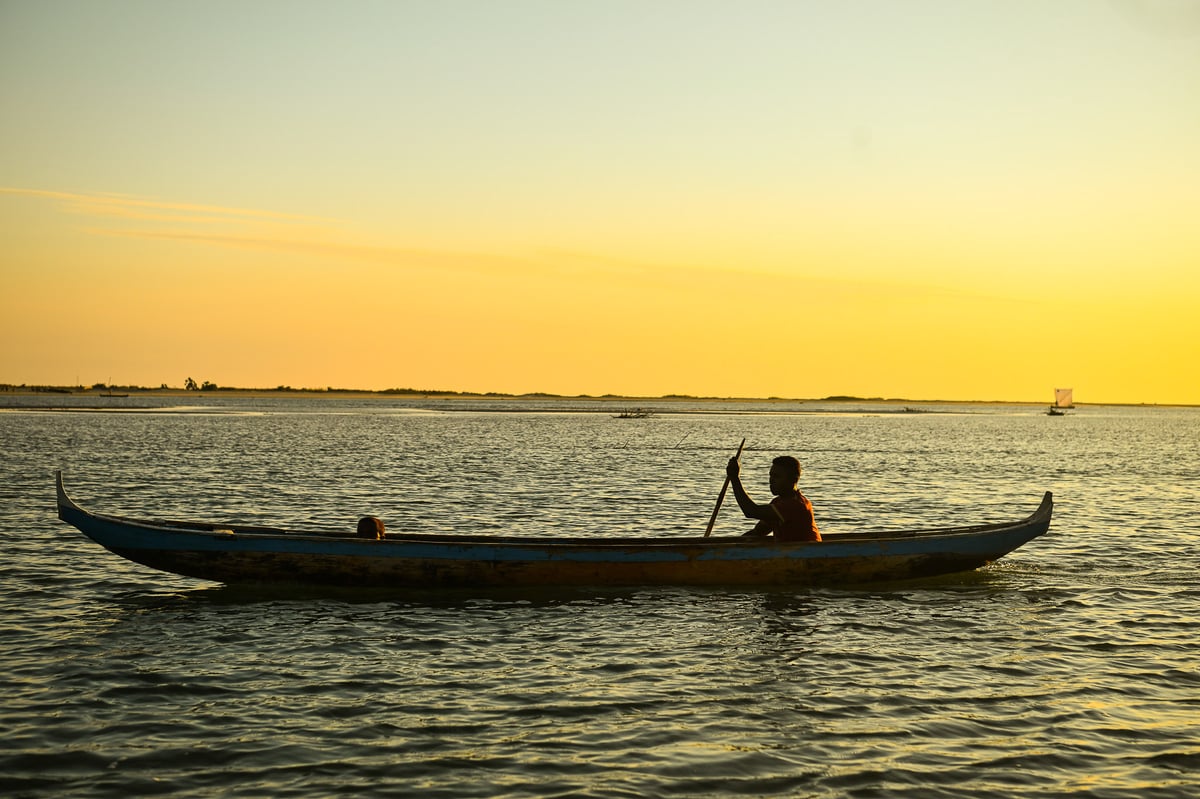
x: 1063, y: 398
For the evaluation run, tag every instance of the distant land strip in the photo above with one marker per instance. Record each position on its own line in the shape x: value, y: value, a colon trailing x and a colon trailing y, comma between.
x: 211, y: 389
x: 101, y: 389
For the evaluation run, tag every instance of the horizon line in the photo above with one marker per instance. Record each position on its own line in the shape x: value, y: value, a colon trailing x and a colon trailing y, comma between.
x: 210, y: 388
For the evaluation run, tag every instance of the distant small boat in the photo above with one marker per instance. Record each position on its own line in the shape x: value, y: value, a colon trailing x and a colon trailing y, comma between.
x: 1063, y: 399
x: 231, y: 553
x: 634, y: 413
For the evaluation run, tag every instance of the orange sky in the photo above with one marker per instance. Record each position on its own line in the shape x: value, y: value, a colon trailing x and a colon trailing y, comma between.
x: 928, y: 200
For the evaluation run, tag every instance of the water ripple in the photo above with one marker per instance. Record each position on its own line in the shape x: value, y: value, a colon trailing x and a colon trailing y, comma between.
x: 1066, y: 670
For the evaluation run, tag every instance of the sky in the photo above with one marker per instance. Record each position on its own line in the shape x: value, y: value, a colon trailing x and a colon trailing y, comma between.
x: 930, y: 199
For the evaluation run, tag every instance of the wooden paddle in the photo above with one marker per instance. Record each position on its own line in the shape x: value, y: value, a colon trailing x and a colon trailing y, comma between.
x: 721, y: 496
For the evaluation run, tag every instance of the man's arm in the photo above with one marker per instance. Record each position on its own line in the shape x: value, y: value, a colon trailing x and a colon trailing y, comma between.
x: 750, y: 508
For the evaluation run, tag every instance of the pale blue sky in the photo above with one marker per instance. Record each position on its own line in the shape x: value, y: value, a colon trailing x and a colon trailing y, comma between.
x: 176, y: 96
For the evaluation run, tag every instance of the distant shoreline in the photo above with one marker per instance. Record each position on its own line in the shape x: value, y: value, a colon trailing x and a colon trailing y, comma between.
x: 336, y: 393
x: 117, y: 392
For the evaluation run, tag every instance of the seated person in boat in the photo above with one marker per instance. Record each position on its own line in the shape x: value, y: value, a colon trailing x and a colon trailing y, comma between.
x: 789, y: 515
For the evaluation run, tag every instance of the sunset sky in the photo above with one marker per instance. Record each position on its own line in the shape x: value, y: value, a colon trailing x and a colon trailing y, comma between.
x: 930, y: 199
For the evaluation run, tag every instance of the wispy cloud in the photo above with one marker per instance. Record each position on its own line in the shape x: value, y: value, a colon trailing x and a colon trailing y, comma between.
x: 129, y: 207
x: 329, y: 248
x: 132, y: 217
x: 124, y: 216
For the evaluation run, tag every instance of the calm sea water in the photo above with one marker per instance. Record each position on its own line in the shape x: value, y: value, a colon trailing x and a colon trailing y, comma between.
x: 1071, y: 668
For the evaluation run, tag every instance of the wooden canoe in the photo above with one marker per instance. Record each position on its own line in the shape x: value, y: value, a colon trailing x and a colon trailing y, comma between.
x: 238, y: 554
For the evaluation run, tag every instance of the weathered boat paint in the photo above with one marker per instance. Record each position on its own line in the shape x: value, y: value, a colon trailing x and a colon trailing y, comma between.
x: 244, y: 554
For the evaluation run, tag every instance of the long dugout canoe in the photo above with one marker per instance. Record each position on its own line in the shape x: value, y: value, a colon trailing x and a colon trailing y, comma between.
x: 239, y: 554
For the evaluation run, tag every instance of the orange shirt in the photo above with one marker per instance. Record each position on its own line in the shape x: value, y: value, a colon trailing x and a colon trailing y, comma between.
x: 796, y: 522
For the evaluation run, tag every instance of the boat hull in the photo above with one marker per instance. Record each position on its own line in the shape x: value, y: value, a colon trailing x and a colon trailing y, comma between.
x: 237, y: 555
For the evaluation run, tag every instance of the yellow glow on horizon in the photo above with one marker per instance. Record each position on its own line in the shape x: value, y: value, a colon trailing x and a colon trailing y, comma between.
x: 318, y: 306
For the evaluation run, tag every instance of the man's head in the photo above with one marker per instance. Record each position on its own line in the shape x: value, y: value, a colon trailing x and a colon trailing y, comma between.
x: 785, y: 473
